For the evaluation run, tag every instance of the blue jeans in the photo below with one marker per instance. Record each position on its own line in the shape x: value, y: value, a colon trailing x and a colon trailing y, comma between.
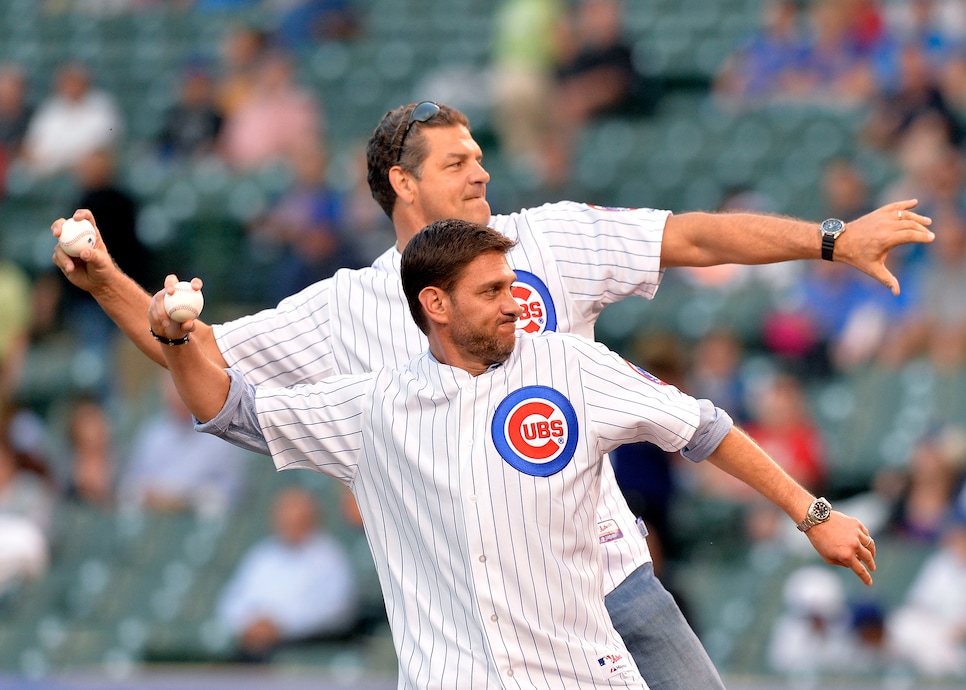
x: 667, y: 651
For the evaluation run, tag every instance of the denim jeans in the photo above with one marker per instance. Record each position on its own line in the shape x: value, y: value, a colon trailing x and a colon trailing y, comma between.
x: 667, y: 651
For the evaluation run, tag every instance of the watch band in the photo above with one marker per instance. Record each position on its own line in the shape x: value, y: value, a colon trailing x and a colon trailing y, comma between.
x: 828, y: 246
x: 169, y: 341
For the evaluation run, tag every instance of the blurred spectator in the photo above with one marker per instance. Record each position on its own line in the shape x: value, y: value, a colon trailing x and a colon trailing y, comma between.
x: 818, y: 53
x: 920, y: 495
x: 27, y: 505
x: 191, y: 128
x: 278, y: 120
x: 845, y: 191
x: 870, y: 651
x: 782, y: 424
x: 929, y: 630
x: 293, y: 586
x: 595, y: 74
x: 15, y: 110
x: 913, y: 92
x: 813, y: 634
x: 90, y: 470
x: 305, y: 23
x: 526, y: 46
x: 844, y: 36
x: 303, y: 237
x: 116, y: 211
x: 769, y: 65
x: 170, y: 467
x: 64, y: 307
x: 241, y: 49
x: 15, y: 324
x: 938, y: 29
x: 937, y: 329
x: 715, y: 373
x: 75, y: 119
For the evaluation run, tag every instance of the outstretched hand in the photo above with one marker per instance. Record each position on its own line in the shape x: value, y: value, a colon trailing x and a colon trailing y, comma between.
x: 843, y: 540
x: 93, y: 266
x: 867, y: 241
x: 162, y: 324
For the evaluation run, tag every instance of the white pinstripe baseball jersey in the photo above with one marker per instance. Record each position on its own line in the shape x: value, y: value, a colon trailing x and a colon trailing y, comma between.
x: 571, y: 261
x: 479, y: 499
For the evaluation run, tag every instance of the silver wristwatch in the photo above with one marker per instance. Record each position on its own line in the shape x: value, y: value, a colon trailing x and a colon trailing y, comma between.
x: 818, y: 512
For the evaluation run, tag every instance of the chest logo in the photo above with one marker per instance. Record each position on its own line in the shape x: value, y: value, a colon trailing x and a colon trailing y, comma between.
x: 535, y: 430
x: 534, y: 298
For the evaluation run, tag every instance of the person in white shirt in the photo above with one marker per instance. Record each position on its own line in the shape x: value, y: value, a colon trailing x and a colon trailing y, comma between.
x: 297, y: 584
x: 76, y: 119
x: 571, y: 260
x: 477, y: 470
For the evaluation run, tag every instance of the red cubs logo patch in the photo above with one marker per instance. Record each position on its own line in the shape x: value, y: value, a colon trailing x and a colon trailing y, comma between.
x: 535, y: 430
x: 537, y: 310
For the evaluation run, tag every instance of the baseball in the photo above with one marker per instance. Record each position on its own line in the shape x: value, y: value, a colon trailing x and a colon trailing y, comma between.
x: 185, y: 304
x: 76, y: 236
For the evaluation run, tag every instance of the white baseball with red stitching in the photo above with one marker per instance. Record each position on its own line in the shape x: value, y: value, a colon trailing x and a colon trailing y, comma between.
x: 185, y: 304
x: 76, y: 236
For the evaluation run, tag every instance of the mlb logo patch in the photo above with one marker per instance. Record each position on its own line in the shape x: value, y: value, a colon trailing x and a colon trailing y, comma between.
x: 611, y: 664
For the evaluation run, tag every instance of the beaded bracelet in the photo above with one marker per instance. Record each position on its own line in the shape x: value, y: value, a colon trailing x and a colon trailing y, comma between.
x: 168, y: 341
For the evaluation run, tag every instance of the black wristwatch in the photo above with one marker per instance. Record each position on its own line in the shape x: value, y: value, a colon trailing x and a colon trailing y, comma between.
x: 818, y: 512
x: 831, y: 229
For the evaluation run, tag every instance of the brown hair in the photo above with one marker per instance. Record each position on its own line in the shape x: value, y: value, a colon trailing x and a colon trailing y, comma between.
x: 382, y: 151
x: 437, y: 255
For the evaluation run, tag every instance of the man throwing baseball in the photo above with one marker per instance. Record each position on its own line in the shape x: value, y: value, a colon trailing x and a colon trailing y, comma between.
x: 570, y: 260
x: 476, y: 468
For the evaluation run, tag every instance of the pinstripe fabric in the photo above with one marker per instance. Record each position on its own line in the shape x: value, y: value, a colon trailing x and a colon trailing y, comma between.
x: 492, y: 576
x: 358, y: 320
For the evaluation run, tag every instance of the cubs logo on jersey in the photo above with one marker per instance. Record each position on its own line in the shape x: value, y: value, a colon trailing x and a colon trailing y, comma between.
x: 534, y: 298
x: 535, y: 430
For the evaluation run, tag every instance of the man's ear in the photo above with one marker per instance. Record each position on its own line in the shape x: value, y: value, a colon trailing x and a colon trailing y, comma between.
x: 435, y: 303
x: 402, y: 183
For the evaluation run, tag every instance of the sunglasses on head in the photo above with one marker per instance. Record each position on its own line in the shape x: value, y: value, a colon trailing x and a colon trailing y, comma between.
x: 423, y: 112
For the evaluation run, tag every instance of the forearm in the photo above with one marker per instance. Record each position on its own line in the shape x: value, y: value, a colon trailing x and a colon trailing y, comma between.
x: 126, y: 302
x: 708, y: 239
x: 202, y: 384
x: 742, y: 458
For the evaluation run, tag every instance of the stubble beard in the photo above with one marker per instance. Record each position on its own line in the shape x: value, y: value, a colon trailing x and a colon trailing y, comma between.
x: 489, y: 348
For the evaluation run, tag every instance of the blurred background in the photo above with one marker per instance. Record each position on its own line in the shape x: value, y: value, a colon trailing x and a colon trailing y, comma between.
x: 225, y: 139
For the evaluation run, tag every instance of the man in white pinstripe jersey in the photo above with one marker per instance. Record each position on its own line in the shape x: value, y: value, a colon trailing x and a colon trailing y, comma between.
x: 476, y: 468
x: 571, y: 260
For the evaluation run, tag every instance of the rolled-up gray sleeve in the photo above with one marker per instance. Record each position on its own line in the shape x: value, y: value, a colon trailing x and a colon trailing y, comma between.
x: 713, y: 426
x: 237, y: 421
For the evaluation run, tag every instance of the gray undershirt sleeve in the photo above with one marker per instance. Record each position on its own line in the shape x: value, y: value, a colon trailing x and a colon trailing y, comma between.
x: 713, y: 426
x: 237, y: 421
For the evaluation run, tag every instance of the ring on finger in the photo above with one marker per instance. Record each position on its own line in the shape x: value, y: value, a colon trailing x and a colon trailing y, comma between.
x: 870, y: 542
x: 899, y: 213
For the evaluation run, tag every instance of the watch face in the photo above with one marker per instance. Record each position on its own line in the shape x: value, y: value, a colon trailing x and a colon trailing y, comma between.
x: 832, y: 226
x: 821, y: 510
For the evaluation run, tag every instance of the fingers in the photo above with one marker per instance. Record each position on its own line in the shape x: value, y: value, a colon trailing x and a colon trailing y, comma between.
x: 885, y: 276
x: 863, y: 563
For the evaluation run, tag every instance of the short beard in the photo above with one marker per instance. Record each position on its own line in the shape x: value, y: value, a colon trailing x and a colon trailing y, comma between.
x: 489, y: 349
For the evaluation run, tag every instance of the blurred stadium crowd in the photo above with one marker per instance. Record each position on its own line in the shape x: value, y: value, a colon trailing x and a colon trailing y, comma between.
x: 224, y: 138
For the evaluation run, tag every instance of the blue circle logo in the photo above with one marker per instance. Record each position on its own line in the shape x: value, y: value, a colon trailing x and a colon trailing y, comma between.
x: 535, y: 430
x: 534, y: 298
